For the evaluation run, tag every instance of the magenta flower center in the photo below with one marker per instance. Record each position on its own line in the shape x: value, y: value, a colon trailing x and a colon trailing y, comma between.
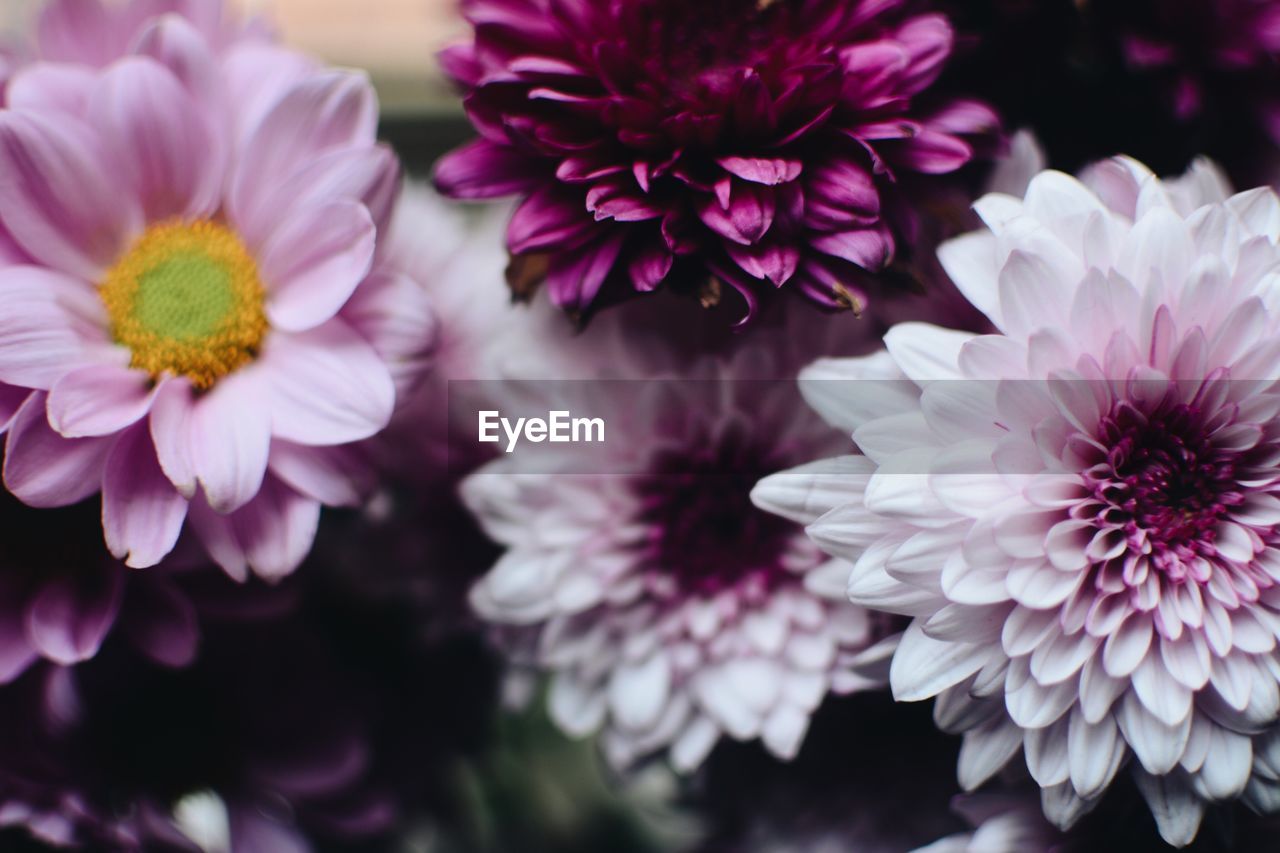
x: 703, y: 529
x: 1164, y: 482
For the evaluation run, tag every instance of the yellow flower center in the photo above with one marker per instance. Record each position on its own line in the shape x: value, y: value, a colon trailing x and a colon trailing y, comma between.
x: 186, y: 299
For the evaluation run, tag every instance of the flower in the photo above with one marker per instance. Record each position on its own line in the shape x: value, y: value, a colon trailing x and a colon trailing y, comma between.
x: 1081, y: 523
x: 201, y: 322
x: 668, y: 609
x: 61, y: 594
x: 758, y: 145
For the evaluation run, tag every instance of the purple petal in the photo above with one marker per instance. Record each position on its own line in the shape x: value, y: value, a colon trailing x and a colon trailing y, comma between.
x: 548, y: 219
x: 932, y: 152
x: 869, y: 248
x: 171, y: 434
x: 46, y: 470
x: 328, y: 386
x: 98, y: 400
x: 142, y: 513
x: 747, y: 216
x: 575, y: 277
x: 69, y: 616
x: 57, y: 199
x: 334, y: 476
x: 314, y: 262
x: 80, y: 31
x: 618, y: 200
x: 927, y: 40
x: 38, y: 343
x: 231, y: 438
x: 650, y: 266
x: 11, y: 399
x: 368, y: 174
x: 484, y: 169
x: 840, y: 193
x: 16, y: 651
x: 771, y: 261
x: 177, y: 45
x: 52, y: 87
x: 271, y: 535
x: 762, y: 170
x: 159, y: 139
x: 322, y: 112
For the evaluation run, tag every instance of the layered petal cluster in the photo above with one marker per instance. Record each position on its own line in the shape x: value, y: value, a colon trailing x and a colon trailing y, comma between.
x: 666, y: 608
x: 701, y: 146
x: 201, y: 321
x: 1079, y: 512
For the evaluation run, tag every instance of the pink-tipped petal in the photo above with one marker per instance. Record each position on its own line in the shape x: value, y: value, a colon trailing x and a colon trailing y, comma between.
x: 46, y: 470
x: 328, y: 386
x: 314, y: 262
x: 69, y: 617
x: 142, y: 513
x: 100, y: 400
x: 276, y: 530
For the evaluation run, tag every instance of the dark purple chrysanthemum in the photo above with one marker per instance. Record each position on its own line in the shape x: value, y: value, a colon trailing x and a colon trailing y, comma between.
x: 758, y: 144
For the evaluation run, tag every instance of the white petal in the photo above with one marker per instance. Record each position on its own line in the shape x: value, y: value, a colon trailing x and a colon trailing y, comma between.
x: 923, y: 667
x: 1159, y: 747
x: 638, y: 692
x: 1096, y: 751
x: 1177, y: 810
x: 986, y: 750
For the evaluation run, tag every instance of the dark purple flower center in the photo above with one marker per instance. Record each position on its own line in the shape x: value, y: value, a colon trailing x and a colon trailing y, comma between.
x: 703, y: 529
x: 1164, y: 482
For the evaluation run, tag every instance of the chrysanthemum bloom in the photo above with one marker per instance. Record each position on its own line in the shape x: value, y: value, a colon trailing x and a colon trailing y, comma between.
x: 1082, y: 523
x: 668, y: 609
x: 712, y: 145
x: 198, y: 324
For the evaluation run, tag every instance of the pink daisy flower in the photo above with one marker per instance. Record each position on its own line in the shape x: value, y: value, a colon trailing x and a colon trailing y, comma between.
x: 667, y: 609
x: 1083, y: 528
x: 200, y: 324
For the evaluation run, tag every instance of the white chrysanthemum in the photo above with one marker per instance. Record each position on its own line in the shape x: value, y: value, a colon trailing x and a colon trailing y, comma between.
x: 667, y: 608
x: 1084, y: 527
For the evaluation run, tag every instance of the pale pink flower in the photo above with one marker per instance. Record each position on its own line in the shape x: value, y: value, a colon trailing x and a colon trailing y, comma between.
x: 668, y: 610
x: 201, y: 322
x: 1082, y: 524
